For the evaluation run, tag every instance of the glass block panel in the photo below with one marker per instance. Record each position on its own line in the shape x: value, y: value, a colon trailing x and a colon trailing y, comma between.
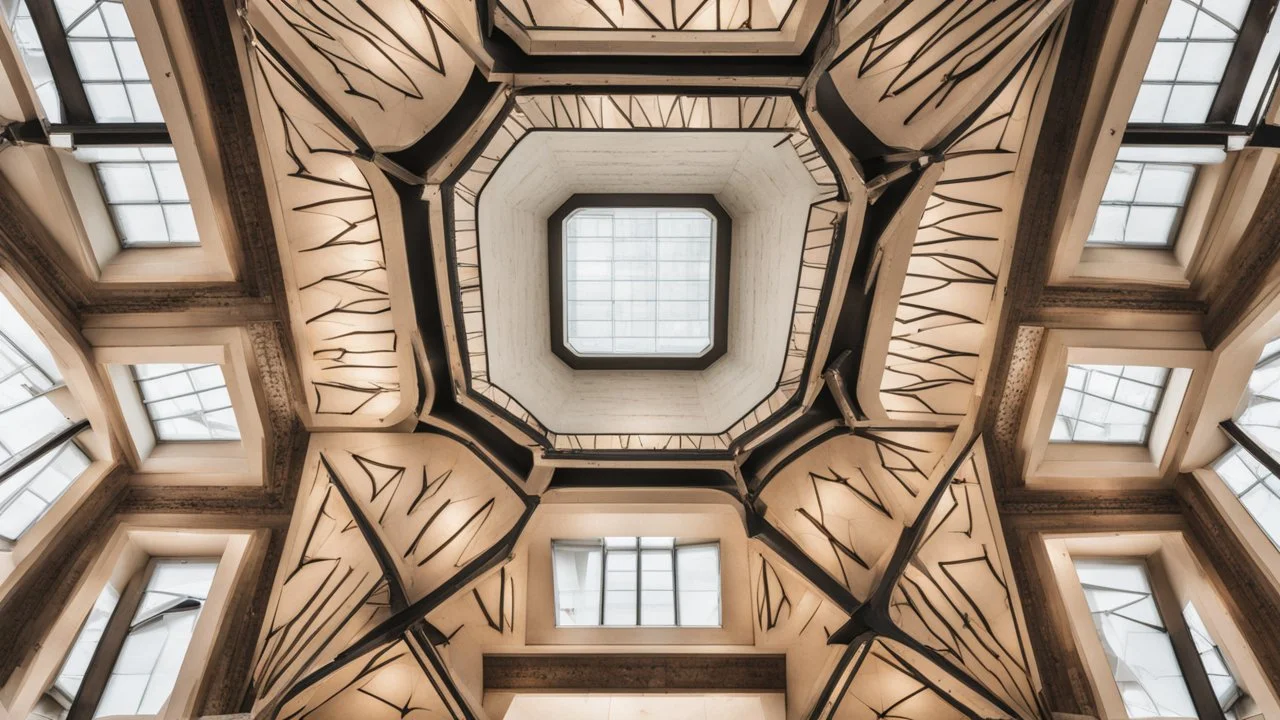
x: 1134, y: 637
x: 107, y: 58
x: 639, y: 281
x: 1109, y: 403
x: 146, y: 194
x: 147, y: 667
x: 1188, y: 61
x: 187, y: 402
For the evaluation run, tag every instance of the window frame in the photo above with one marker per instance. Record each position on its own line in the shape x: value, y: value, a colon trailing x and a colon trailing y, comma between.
x: 676, y: 546
x: 720, y: 283
x: 1194, y: 674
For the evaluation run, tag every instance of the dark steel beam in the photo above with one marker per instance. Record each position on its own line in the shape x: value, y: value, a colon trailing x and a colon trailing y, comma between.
x: 75, y: 102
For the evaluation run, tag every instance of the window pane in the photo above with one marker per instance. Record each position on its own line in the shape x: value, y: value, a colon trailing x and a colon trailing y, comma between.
x: 698, y: 579
x: 187, y: 402
x: 620, y: 587
x: 151, y: 656
x: 657, y: 588
x: 1258, y: 489
x: 1225, y: 688
x: 638, y: 281
x: 1261, y: 415
x: 1135, y: 639
x: 31, y: 50
x: 77, y: 661
x: 1188, y: 61
x: 1109, y: 403
x: 145, y: 191
x: 577, y: 584
x: 1142, y: 203
x: 107, y: 58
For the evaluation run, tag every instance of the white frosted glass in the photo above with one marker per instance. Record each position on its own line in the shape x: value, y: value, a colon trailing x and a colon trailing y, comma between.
x: 627, y: 266
x: 1108, y: 403
x: 187, y: 402
x: 1188, y: 61
x: 1135, y: 639
x: 144, y: 189
x: 698, y: 582
x: 577, y: 584
x: 1141, y: 203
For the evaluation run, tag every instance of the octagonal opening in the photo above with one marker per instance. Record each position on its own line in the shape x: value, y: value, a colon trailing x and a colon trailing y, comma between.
x: 639, y: 281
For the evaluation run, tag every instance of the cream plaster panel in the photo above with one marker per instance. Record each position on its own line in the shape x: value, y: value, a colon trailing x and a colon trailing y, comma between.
x: 766, y: 190
x: 390, y: 67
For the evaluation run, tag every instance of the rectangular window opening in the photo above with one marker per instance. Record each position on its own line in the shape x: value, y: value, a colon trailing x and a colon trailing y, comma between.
x: 1109, y: 404
x: 187, y: 402
x: 636, y: 582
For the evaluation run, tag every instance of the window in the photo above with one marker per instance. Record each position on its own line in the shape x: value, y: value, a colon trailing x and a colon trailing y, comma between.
x: 1137, y: 643
x: 144, y: 189
x: 187, y: 402
x: 607, y: 581
x: 18, y: 16
x: 108, y: 61
x: 77, y: 662
x: 1163, y: 666
x: 1189, y: 61
x: 38, y: 456
x: 1109, y: 403
x: 639, y: 281
x: 1225, y: 687
x: 1142, y: 203
x: 86, y: 63
x: 1249, y: 467
x: 146, y: 667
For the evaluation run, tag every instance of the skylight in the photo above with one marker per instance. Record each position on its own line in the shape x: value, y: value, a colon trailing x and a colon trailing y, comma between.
x: 187, y: 402
x: 1189, y: 61
x: 1109, y: 403
x: 107, y: 57
x: 639, y: 281
x: 144, y: 189
x: 1142, y: 204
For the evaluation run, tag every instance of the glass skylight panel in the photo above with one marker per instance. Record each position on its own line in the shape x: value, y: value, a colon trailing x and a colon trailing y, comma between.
x: 1255, y: 486
x: 1109, y: 403
x: 1142, y: 203
x: 147, y: 667
x: 638, y: 281
x: 77, y: 661
x: 1225, y: 688
x: 28, y: 417
x: 1189, y: 60
x: 108, y: 60
x: 27, y: 39
x: 187, y: 402
x: 1134, y: 637
x: 144, y: 189
x: 1261, y: 415
x: 646, y: 581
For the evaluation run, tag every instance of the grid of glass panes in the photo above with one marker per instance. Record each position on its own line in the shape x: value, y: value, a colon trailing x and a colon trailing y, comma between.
x: 77, y: 661
x: 607, y: 581
x: 1255, y: 486
x: 1225, y: 687
x: 1261, y: 414
x: 187, y: 402
x: 108, y: 61
x: 144, y: 189
x: 1189, y: 60
x: 28, y: 416
x: 1142, y: 203
x: 1109, y: 403
x: 18, y: 17
x: 147, y: 667
x: 1135, y: 638
x: 638, y: 281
